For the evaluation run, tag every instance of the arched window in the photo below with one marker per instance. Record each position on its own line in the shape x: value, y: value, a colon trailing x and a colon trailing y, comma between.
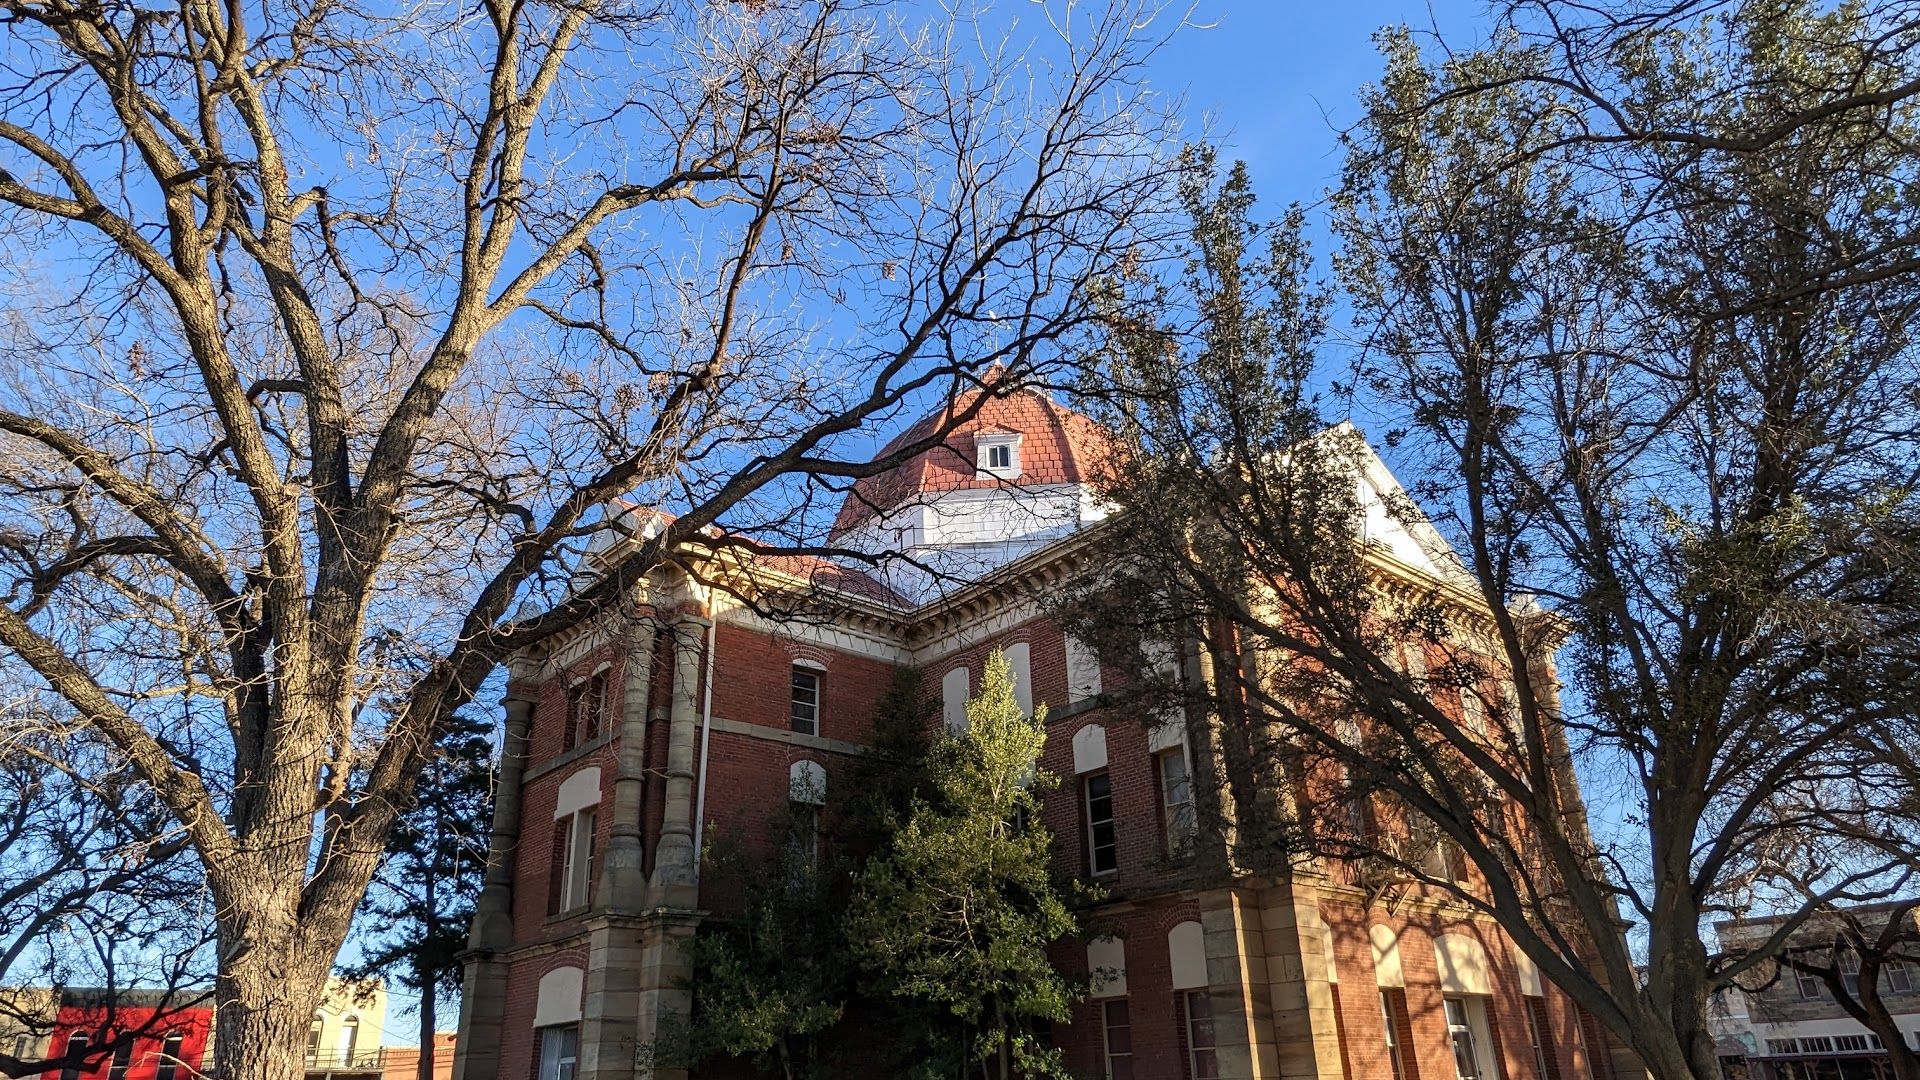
x: 575, y: 821
x: 953, y: 699
x: 1020, y: 663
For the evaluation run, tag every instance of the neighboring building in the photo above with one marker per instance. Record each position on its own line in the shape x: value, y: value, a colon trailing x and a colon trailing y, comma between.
x: 403, y: 1062
x: 626, y: 739
x: 171, y: 1044
x: 1795, y: 1030
x: 346, y: 1037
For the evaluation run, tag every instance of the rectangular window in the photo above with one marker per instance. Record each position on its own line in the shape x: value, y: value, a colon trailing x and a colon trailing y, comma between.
x: 1850, y: 971
x: 1202, y: 1058
x: 1000, y: 457
x: 1809, y: 984
x: 122, y: 1058
x: 1851, y: 1044
x: 313, y: 1038
x: 580, y: 859
x: 1176, y: 797
x: 1103, y: 842
x: 1390, y: 1018
x: 1466, y: 1031
x: 1119, y: 1039
x: 559, y: 1052
x: 806, y: 701
x: 1540, y: 1035
x: 170, y: 1056
x: 1899, y: 976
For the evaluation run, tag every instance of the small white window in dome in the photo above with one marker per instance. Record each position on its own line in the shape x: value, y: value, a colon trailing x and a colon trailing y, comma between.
x: 998, y: 453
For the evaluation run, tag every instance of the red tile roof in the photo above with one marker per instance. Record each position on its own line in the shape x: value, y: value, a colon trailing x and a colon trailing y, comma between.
x: 1058, y: 446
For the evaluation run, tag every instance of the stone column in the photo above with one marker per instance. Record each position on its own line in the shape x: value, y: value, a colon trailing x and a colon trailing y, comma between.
x: 1306, y: 1032
x: 664, y: 1001
x: 623, y: 882
x: 674, y: 862
x: 1237, y: 981
x: 610, y: 1015
x: 483, y: 997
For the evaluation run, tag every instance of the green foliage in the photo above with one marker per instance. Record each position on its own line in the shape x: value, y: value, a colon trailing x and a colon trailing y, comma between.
x: 421, y: 903
x: 767, y: 983
x: 879, y: 786
x: 920, y: 939
x: 953, y: 916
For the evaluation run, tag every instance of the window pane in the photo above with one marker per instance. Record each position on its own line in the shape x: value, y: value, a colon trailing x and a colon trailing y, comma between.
x: 806, y: 701
x: 1119, y: 1040
x: 79, y: 1042
x: 1103, y: 841
x: 170, y: 1056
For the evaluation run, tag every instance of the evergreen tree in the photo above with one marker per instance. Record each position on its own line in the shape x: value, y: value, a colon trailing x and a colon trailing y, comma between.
x: 422, y: 901
x: 950, y: 920
x: 769, y: 982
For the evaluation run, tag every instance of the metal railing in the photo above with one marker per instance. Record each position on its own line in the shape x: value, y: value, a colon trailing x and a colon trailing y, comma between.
x: 345, y: 1059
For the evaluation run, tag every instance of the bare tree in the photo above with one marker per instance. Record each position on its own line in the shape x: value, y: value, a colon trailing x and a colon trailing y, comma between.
x: 97, y: 890
x: 336, y: 331
x: 1664, y: 414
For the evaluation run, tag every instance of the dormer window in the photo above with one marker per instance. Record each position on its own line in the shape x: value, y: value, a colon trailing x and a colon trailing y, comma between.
x: 998, y: 453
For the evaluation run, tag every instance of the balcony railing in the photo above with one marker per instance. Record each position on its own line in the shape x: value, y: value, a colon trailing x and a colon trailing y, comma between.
x: 341, y: 1061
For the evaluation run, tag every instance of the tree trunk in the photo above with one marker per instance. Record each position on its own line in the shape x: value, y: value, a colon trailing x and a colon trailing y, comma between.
x: 428, y: 1022
x: 264, y: 1013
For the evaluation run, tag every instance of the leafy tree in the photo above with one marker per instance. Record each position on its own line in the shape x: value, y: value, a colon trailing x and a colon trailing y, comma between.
x: 1655, y: 383
x: 419, y: 908
x: 953, y: 915
x: 769, y: 981
x: 880, y: 785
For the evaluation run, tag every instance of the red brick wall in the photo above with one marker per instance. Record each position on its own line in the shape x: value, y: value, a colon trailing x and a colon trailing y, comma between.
x: 755, y: 683
x: 1427, y: 1041
x: 1159, y: 1041
x: 523, y: 993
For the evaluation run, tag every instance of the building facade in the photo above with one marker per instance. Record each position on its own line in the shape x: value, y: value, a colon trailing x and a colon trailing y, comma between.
x: 629, y: 740
x: 1792, y: 1028
x: 169, y: 1040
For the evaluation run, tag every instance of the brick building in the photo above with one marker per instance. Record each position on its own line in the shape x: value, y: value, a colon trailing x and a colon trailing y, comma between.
x: 688, y: 711
x: 170, y: 1033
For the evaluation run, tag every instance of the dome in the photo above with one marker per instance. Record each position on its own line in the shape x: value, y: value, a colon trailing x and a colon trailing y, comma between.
x: 1050, y: 445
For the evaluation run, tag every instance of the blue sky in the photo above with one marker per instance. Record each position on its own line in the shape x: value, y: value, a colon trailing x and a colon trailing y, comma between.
x: 1274, y: 79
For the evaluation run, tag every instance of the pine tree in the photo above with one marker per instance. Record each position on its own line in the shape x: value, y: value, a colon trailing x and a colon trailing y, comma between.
x: 436, y: 859
x: 951, y: 919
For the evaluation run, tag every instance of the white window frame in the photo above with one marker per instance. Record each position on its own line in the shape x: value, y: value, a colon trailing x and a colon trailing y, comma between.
x: 1899, y: 976
x: 793, y: 698
x: 1473, y: 1024
x: 563, y: 1063
x: 997, y: 454
x: 171, y: 1046
x: 1393, y: 1033
x: 576, y: 885
x: 1106, y: 1034
x: 1193, y: 1042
